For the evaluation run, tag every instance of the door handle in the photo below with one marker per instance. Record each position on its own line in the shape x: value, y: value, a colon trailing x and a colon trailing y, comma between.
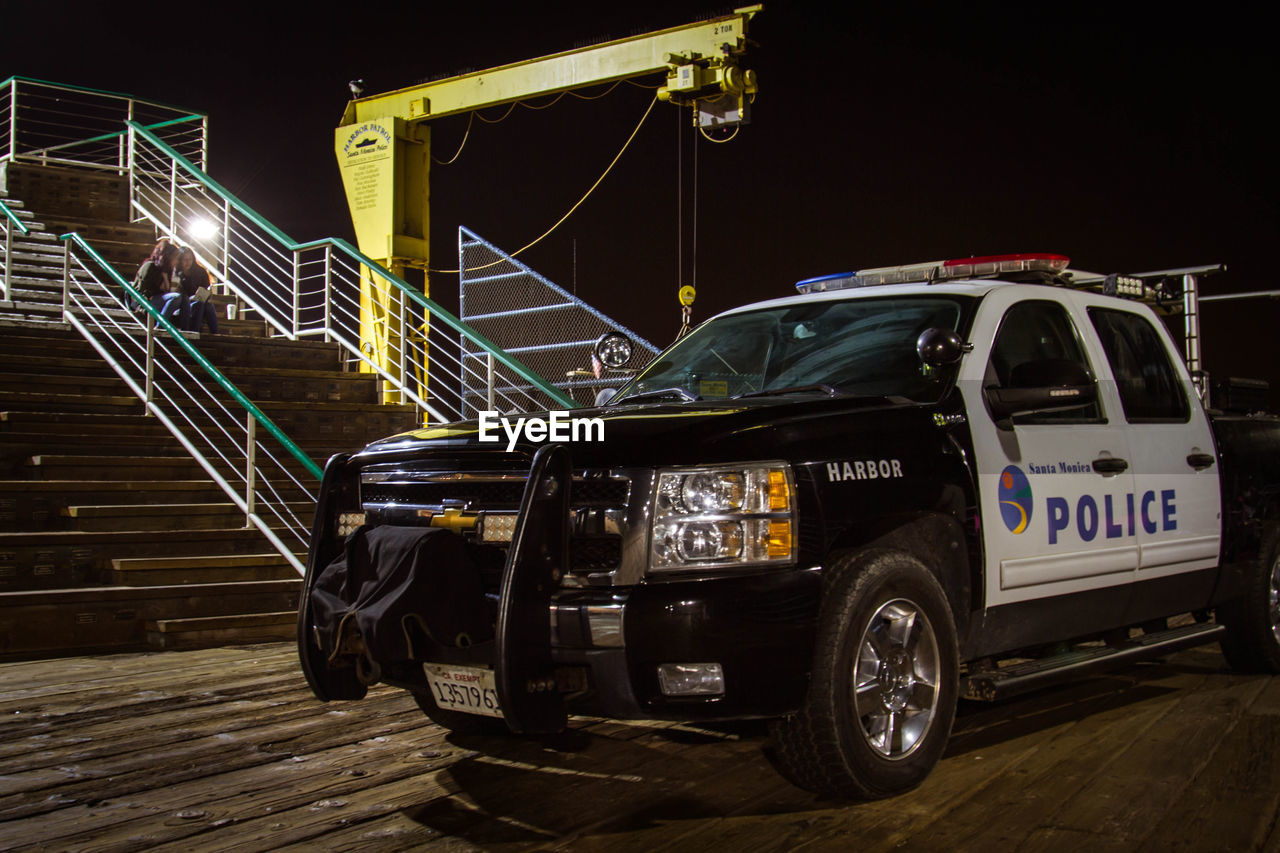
x: 1110, y: 465
x: 1200, y: 461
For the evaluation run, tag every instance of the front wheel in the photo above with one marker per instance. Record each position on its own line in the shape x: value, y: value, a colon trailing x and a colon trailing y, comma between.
x: 882, y: 694
x: 1252, y: 641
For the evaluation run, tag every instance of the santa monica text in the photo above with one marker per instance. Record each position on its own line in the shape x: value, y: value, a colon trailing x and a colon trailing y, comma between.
x: 556, y: 426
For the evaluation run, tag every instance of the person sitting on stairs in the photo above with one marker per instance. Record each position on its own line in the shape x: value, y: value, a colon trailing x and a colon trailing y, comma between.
x: 152, y: 279
x: 193, y: 286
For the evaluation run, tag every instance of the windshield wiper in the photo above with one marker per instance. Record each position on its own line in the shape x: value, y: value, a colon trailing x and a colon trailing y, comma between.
x: 794, y: 389
x: 684, y: 395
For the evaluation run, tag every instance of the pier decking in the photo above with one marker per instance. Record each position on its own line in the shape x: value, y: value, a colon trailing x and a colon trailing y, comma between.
x: 225, y: 749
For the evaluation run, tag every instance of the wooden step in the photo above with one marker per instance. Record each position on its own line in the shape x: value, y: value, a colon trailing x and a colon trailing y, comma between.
x: 17, y: 449
x: 33, y: 505
x: 262, y: 385
x: 42, y: 364
x: 40, y: 623
x: 80, y: 385
x: 44, y: 289
x: 178, y: 467
x: 316, y: 437
x: 222, y: 630
x: 46, y: 312
x: 103, y: 444
x: 62, y: 559
x: 42, y: 282
x: 154, y: 571
x: 36, y: 265
x: 223, y: 350
x: 40, y: 401
x: 174, y: 517
x: 75, y: 439
x: 79, y: 422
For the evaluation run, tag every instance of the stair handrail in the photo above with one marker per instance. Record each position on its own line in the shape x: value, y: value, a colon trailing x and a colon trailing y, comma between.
x: 10, y: 220
x: 199, y: 357
x: 342, y: 247
x: 159, y: 114
x: 13, y: 217
x: 254, y: 483
x: 440, y: 313
x: 116, y: 134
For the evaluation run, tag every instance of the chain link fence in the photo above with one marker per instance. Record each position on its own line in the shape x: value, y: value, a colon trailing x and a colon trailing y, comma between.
x: 547, y: 328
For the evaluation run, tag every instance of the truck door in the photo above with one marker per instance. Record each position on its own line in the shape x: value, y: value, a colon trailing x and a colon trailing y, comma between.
x: 1177, y: 499
x: 1054, y: 487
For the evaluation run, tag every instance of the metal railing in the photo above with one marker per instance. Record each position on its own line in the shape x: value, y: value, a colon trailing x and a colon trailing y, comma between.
x: 10, y: 222
x: 264, y: 473
x: 498, y: 295
x: 311, y: 290
x: 52, y: 123
x: 314, y: 290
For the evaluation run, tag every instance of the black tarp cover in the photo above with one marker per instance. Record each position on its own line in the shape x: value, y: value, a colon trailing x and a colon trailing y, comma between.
x: 389, y: 578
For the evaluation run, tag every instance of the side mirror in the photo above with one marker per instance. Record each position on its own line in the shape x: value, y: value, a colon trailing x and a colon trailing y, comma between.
x: 613, y: 349
x: 937, y: 347
x: 604, y: 395
x: 1046, y: 385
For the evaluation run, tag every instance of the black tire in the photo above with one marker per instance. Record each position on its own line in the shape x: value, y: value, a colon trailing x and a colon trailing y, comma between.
x: 883, y: 612
x: 1252, y: 641
x: 456, y: 721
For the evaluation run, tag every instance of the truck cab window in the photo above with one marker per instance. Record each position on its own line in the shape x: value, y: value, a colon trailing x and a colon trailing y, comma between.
x: 1032, y: 336
x: 1145, y: 377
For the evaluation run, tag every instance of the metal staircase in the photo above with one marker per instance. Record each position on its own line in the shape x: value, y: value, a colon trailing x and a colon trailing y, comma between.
x: 149, y: 478
x: 113, y: 533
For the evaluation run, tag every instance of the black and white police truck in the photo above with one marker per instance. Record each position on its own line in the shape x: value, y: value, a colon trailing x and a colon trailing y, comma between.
x: 842, y: 510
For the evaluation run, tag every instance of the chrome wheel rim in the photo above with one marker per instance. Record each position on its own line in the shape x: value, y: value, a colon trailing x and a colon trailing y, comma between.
x: 1273, y: 599
x: 895, y: 693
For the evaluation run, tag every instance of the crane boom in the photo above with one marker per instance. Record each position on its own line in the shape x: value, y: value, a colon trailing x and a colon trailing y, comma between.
x: 723, y: 37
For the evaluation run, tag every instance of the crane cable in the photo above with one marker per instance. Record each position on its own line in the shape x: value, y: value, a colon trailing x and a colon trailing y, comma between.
x: 728, y: 138
x: 461, y: 145
x: 578, y: 204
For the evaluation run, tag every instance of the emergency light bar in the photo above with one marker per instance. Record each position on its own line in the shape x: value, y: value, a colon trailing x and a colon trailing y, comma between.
x: 934, y: 271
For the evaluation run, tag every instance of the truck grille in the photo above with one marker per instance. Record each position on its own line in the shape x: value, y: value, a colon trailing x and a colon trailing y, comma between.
x: 476, y: 491
x: 399, y: 496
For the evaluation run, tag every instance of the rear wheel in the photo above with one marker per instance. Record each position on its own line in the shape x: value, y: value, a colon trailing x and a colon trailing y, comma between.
x: 1252, y: 641
x: 882, y: 694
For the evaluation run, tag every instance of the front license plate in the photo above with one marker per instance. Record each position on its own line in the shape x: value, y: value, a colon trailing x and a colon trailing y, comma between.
x: 469, y: 689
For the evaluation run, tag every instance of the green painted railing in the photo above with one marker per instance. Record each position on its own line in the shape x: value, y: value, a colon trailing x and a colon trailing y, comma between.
x: 46, y: 122
x: 18, y: 78
x: 217, y: 375
x: 13, y: 217
x: 342, y: 247
x: 10, y: 221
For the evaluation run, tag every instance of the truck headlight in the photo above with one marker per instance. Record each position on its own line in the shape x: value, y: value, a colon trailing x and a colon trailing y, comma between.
x: 723, y: 516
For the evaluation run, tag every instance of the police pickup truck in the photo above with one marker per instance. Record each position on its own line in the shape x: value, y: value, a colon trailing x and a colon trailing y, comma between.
x: 842, y: 510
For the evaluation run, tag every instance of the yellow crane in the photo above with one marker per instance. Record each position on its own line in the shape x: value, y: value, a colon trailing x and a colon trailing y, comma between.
x: 384, y: 143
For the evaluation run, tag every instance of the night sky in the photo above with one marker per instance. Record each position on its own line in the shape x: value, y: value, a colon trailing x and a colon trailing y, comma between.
x: 883, y: 134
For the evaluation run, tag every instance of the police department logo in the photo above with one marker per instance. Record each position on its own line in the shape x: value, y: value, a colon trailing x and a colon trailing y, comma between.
x: 1015, y: 499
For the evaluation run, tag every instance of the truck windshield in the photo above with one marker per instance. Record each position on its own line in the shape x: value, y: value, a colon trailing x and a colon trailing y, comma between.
x: 859, y: 347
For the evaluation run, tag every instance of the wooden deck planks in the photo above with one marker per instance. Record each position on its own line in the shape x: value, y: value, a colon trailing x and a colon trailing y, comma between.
x: 225, y: 749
